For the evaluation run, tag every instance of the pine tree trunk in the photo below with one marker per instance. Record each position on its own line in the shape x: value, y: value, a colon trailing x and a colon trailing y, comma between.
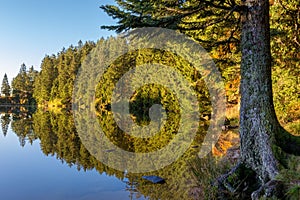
x: 260, y: 130
x: 258, y: 122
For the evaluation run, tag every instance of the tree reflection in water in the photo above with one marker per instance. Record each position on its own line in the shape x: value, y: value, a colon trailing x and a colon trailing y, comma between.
x: 58, y: 137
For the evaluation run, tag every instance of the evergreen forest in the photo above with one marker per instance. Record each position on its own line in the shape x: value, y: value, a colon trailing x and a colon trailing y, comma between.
x: 48, y: 90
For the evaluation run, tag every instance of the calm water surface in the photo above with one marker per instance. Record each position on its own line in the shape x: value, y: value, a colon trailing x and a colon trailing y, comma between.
x: 27, y: 173
x: 42, y: 158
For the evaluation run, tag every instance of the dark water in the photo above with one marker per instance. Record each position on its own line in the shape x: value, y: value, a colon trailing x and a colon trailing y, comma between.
x: 42, y: 157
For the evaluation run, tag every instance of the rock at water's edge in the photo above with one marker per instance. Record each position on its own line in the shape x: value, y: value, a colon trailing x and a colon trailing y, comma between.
x: 154, y: 179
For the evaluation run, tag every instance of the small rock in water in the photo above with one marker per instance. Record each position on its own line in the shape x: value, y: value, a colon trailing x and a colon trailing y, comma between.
x: 154, y: 179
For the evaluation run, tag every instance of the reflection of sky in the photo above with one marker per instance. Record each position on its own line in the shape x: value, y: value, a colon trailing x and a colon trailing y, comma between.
x: 26, y: 173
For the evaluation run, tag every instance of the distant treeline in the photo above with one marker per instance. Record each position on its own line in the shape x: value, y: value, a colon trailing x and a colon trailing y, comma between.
x: 21, y: 90
x: 55, y: 81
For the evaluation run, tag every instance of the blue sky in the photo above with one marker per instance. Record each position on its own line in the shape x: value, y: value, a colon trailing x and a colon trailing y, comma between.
x: 30, y: 29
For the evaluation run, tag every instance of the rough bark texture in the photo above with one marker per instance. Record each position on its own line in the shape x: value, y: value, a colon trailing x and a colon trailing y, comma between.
x: 261, y: 133
x: 258, y: 122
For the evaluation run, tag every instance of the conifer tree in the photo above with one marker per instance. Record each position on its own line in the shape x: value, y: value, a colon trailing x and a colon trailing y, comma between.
x: 22, y: 85
x: 5, y: 87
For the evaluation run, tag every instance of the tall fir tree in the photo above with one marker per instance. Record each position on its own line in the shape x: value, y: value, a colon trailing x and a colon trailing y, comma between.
x: 22, y: 85
x: 5, y: 87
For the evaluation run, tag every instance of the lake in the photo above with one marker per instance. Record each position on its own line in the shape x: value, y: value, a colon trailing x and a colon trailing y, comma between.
x: 42, y: 157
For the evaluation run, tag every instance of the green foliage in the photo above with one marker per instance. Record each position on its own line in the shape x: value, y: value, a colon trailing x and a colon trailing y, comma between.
x: 190, y: 17
x: 286, y: 60
x: 291, y: 180
x: 5, y: 87
x: 45, y: 78
x: 294, y: 128
x: 215, y: 25
x: 206, y: 170
x: 56, y: 79
x: 23, y: 85
x: 145, y: 97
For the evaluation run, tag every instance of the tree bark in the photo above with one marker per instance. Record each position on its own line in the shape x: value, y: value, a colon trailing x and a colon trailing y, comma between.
x: 258, y: 121
x: 259, y: 128
x: 260, y: 131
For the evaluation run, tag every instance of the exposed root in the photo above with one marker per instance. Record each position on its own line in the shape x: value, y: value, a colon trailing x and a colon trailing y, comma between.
x: 248, y: 186
x: 270, y: 189
x: 222, y: 180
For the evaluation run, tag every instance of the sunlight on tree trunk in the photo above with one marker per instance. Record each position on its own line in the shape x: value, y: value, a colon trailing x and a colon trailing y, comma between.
x: 259, y: 128
x: 257, y: 114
